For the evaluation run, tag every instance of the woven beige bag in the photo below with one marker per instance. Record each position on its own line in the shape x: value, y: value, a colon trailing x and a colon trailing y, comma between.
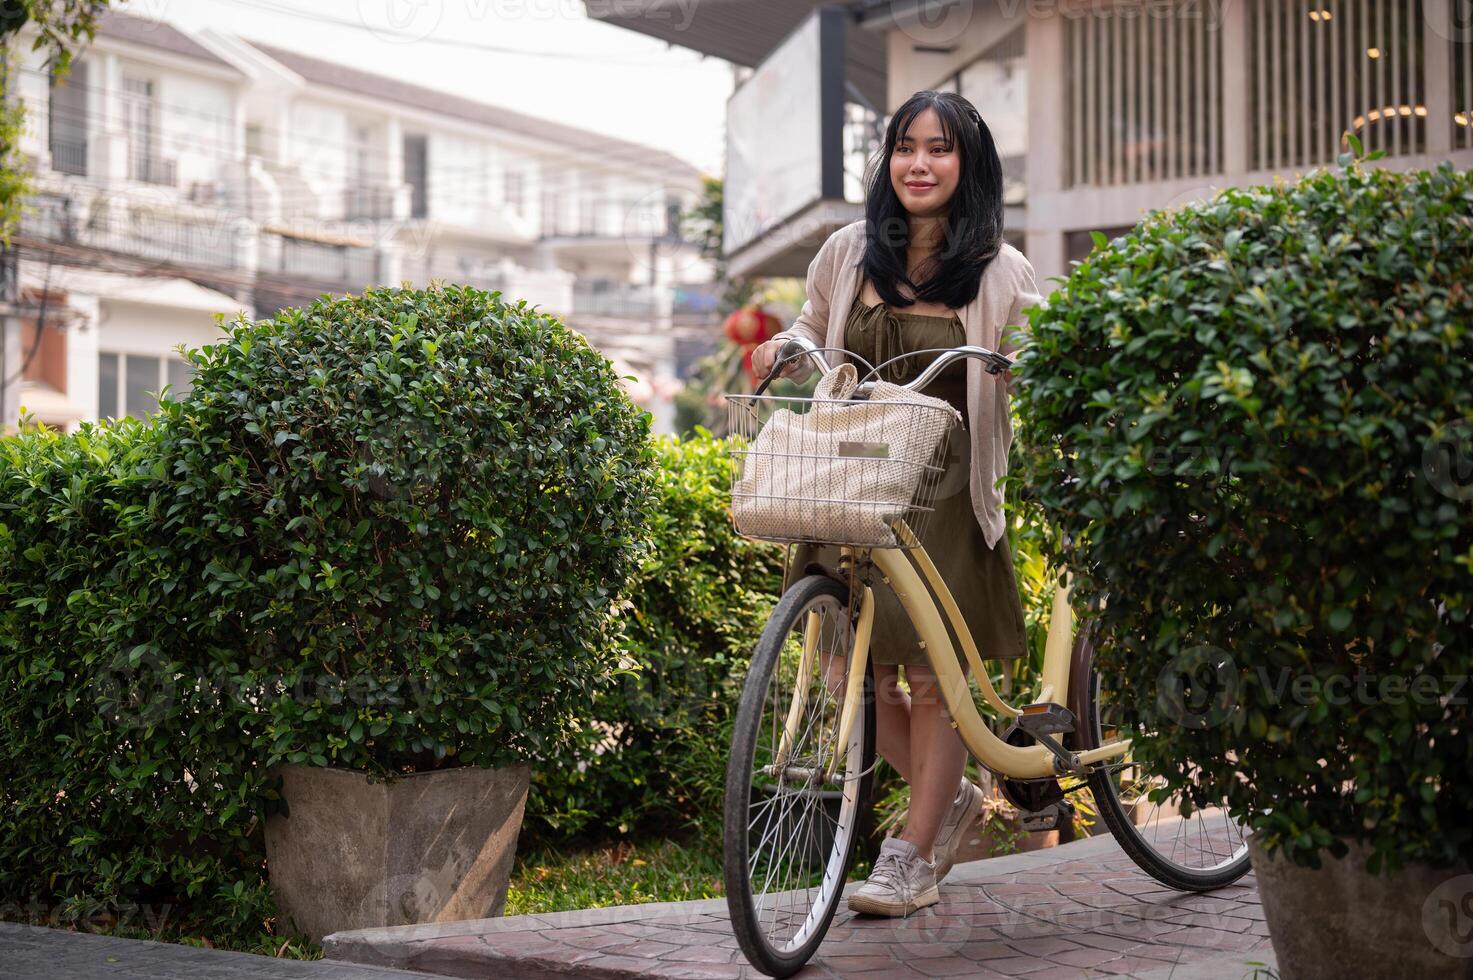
x: 841, y: 471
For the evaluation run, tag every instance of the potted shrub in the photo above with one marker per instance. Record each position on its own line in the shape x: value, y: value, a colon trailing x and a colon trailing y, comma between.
x: 422, y: 508
x: 1252, y: 418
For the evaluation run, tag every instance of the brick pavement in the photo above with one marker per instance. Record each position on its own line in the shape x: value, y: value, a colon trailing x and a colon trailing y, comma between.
x: 1080, y: 910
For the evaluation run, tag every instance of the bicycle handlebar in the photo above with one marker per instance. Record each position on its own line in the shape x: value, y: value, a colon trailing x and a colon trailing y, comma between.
x: 797, y: 347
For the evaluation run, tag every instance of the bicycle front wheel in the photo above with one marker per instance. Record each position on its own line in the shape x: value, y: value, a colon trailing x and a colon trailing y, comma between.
x: 795, y: 797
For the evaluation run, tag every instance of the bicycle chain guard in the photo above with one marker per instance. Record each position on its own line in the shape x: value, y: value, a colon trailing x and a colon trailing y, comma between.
x: 1030, y: 796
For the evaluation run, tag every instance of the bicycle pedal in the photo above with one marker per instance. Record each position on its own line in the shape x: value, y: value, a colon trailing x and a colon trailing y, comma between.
x: 1045, y: 718
x: 1051, y: 817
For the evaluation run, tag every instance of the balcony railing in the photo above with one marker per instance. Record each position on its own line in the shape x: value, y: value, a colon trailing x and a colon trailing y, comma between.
x: 153, y: 170
x: 350, y: 265
x: 47, y: 217
x: 634, y: 218
x: 368, y: 203
x: 621, y: 299
x: 116, y: 226
x: 69, y: 156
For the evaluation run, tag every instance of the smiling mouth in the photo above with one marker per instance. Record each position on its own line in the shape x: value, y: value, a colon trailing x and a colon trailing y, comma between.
x: 918, y: 187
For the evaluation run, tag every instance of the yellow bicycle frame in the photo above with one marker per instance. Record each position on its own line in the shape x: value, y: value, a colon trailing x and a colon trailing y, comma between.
x: 898, y: 572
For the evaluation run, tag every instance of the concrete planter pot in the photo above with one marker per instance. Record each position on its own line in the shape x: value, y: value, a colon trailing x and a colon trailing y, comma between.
x: 425, y: 847
x: 1339, y: 921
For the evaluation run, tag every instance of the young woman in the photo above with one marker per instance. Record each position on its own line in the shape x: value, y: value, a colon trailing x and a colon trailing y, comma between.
x: 927, y: 267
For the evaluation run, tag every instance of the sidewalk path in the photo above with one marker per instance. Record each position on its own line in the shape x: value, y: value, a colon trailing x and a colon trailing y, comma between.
x: 40, y: 953
x: 1079, y: 910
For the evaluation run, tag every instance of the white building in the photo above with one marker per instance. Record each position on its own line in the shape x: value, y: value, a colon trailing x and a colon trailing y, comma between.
x: 1101, y: 109
x: 129, y: 248
x: 179, y: 176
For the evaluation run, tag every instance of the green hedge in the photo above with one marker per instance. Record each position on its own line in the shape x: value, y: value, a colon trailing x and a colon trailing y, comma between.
x: 117, y: 792
x: 653, y: 751
x: 420, y: 505
x: 1249, y: 416
x: 387, y: 532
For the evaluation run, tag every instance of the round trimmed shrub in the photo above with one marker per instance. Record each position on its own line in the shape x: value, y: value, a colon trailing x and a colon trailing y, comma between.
x: 422, y: 508
x: 1251, y: 418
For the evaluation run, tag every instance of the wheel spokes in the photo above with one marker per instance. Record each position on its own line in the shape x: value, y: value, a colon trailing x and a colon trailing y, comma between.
x: 1204, y: 838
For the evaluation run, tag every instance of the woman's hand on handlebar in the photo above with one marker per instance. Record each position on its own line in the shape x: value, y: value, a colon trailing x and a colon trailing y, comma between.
x: 765, y: 355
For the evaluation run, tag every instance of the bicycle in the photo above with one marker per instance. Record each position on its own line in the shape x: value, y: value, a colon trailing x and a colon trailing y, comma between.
x: 802, y: 758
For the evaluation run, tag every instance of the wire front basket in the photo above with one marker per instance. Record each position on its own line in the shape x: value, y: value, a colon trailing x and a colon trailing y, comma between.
x: 836, y: 471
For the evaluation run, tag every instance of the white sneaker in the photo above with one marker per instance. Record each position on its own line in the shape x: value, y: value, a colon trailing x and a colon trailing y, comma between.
x: 901, y: 882
x: 964, y: 810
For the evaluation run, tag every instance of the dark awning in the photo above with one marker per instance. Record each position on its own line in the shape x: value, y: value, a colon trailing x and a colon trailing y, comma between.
x: 746, y: 31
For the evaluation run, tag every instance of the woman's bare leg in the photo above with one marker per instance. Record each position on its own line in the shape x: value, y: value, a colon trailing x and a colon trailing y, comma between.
x: 915, y: 736
x: 892, y: 719
x: 938, y: 759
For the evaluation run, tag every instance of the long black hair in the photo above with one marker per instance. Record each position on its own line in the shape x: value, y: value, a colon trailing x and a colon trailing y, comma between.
x: 973, y: 223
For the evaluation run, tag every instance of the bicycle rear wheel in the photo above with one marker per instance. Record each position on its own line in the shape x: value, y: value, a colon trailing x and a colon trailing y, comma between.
x: 795, y: 800
x: 1191, y: 846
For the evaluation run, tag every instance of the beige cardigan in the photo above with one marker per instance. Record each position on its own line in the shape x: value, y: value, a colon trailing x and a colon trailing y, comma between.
x: 1008, y: 288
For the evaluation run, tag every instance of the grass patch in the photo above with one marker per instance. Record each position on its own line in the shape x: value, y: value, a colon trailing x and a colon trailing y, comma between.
x: 624, y: 873
x: 549, y: 879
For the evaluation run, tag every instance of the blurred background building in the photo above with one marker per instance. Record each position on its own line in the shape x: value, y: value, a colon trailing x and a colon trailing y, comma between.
x: 180, y: 175
x: 1100, y: 110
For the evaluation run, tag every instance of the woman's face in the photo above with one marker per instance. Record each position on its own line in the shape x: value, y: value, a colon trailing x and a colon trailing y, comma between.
x: 924, y: 167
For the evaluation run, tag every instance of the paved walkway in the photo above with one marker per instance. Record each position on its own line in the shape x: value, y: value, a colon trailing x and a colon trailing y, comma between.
x: 1080, y: 910
x: 40, y: 953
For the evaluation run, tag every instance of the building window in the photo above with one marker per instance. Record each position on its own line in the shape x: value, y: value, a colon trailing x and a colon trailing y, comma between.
x: 108, y: 385
x: 515, y: 191
x: 1317, y: 68
x: 67, y: 121
x: 416, y: 173
x: 587, y: 216
x: 552, y: 213
x: 141, y: 122
x: 128, y: 384
x: 1144, y: 94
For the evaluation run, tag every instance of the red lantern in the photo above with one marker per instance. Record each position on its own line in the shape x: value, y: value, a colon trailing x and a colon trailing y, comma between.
x: 747, y: 350
x: 750, y: 325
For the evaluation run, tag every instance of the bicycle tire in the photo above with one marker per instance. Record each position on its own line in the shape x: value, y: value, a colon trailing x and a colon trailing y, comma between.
x: 771, y: 958
x: 1114, y: 812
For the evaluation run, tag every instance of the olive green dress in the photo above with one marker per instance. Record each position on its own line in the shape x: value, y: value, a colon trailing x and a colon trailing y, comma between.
x: 980, y: 578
